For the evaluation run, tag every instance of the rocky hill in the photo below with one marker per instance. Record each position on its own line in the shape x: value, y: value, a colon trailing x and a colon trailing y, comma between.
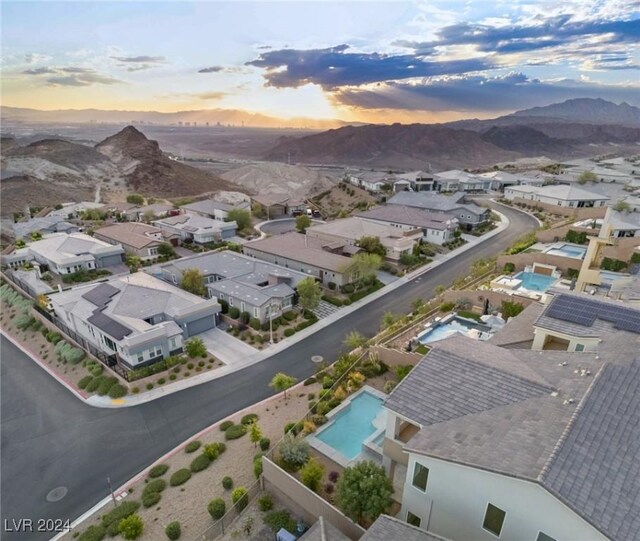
x: 398, y: 145
x: 587, y: 111
x: 267, y: 178
x: 527, y: 141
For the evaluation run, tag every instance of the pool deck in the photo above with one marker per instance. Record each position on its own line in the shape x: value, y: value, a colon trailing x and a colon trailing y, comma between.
x: 329, y: 451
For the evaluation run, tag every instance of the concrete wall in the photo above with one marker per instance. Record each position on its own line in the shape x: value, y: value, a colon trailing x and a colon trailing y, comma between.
x: 578, y: 213
x: 522, y: 260
x: 456, y: 498
x: 558, y: 233
x: 477, y: 298
x: 395, y: 357
x: 622, y: 249
x: 306, y: 502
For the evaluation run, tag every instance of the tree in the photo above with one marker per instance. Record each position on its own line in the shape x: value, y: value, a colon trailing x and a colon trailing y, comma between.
x: 311, y: 474
x: 364, y: 491
x: 193, y: 281
x: 135, y: 199
x: 355, y: 340
x: 363, y: 266
x: 148, y: 217
x: 282, y: 382
x: 302, y: 222
x: 511, y: 309
x: 133, y: 262
x: 241, y: 217
x: 195, y: 347
x: 587, y: 176
x: 620, y: 206
x: 255, y: 433
x: 372, y: 245
x: 42, y: 301
x: 294, y: 452
x: 93, y: 215
x: 257, y: 210
x: 309, y: 293
x: 388, y: 319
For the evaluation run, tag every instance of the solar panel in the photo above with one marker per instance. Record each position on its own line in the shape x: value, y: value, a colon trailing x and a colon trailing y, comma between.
x: 584, y: 311
x: 101, y: 295
x: 112, y: 327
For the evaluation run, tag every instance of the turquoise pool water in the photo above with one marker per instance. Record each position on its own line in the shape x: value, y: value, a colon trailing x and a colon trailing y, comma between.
x: 445, y: 330
x: 534, y: 281
x: 568, y: 250
x: 352, y: 426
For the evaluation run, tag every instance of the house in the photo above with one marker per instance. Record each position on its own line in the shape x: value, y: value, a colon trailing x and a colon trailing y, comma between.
x: 195, y: 228
x: 63, y: 253
x: 387, y: 528
x: 349, y: 231
x: 216, y: 210
x: 137, y: 319
x: 558, y: 195
x: 468, y: 214
x: 515, y: 444
x: 279, y: 204
x: 449, y: 181
x: 135, y: 237
x: 75, y: 210
x: 416, y: 181
x: 435, y: 227
x: 260, y: 288
x: 372, y: 181
x: 607, y: 171
x: 309, y: 255
x: 44, y: 225
x: 157, y: 210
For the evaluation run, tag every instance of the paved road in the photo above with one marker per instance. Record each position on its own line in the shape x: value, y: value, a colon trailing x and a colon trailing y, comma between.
x: 50, y: 439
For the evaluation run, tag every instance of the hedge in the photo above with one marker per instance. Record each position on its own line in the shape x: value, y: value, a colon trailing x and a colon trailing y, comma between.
x: 289, y: 332
x: 84, y: 381
x: 157, y: 485
x: 93, y: 533
x: 249, y: 418
x: 225, y: 424
x: 180, y: 477
x: 332, y: 300
x: 200, y: 463
x: 217, y: 508
x: 192, y: 446
x: 106, y: 384
x: 173, y: 531
x: 117, y: 391
x: 113, y: 517
x: 234, y: 432
x: 290, y: 315
x: 158, y: 471
x: 150, y: 499
x: 304, y: 324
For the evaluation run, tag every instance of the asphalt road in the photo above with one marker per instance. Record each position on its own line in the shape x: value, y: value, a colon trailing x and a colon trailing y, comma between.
x: 51, y: 439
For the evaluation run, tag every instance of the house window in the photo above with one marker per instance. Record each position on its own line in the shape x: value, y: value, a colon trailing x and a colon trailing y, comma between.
x: 230, y: 301
x: 544, y: 537
x: 413, y: 519
x: 153, y: 251
x: 255, y: 312
x: 242, y: 307
x: 158, y: 351
x: 221, y: 296
x: 140, y: 357
x: 493, y: 519
x: 173, y: 343
x: 579, y: 347
x: 420, y: 476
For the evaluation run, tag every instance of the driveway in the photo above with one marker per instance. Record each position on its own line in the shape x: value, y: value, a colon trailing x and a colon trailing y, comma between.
x: 225, y: 347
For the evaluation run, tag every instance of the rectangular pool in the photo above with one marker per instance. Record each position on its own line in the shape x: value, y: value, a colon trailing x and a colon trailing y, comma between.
x: 454, y: 326
x: 568, y: 250
x: 535, y: 282
x: 351, y: 426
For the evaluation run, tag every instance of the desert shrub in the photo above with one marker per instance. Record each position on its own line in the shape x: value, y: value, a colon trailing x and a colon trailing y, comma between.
x: 447, y: 306
x: 289, y: 332
x: 311, y: 474
x: 173, y: 531
x: 293, y: 428
x: 264, y: 443
x: 24, y: 321
x: 310, y: 381
x: 333, y: 476
x: 195, y: 347
x: 234, y: 313
x: 200, y: 463
x: 257, y: 467
x: 94, y: 384
x: 329, y: 488
x: 180, y: 477
x: 156, y: 485
x: 114, y: 516
x: 192, y: 446
x: 93, y: 533
x: 234, y: 432
x: 214, y: 450
x: 508, y: 267
x: 225, y: 424
x: 289, y: 315
x: 158, y: 471
x: 106, y: 384
x: 217, y: 508
x: 150, y: 499
x: 131, y: 527
x: 265, y: 503
x: 84, y: 381
x: 249, y: 418
x: 240, y: 498
x: 276, y: 520
x: 227, y: 483
x: 294, y: 452
x: 117, y: 391
x: 318, y: 419
x: 389, y: 386
x: 255, y: 324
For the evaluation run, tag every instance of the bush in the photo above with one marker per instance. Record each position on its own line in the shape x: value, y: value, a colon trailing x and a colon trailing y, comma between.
x: 265, y: 503
x: 234, y: 313
x: 290, y: 315
x: 192, y: 446
x: 106, y: 384
x: 234, y: 432
x: 158, y: 471
x: 224, y: 305
x: 332, y: 285
x: 402, y: 371
x: 327, y: 382
x: 447, y: 306
x: 173, y: 530
x: 131, y: 527
x: 195, y: 347
x: 614, y: 265
x: 214, y: 450
x: 114, y: 516
x: 217, y: 508
x: 240, y: 498
x: 94, y: 384
x: 180, y: 477
x: 227, y: 483
x: 333, y: 476
x: 348, y: 288
x: 311, y: 474
x: 294, y: 452
x: 245, y: 317
x: 225, y: 424
x: 93, y: 533
x: 257, y: 467
x: 265, y: 443
x: 249, y: 418
x: 289, y: 332
x: 276, y: 520
x: 292, y: 427
x: 255, y: 324
x: 329, y: 488
x: 389, y: 386
x: 150, y: 499
x: 508, y: 267
x: 156, y: 485
x: 117, y: 391
x: 332, y: 300
x: 309, y: 381
x: 200, y: 463
x: 84, y: 381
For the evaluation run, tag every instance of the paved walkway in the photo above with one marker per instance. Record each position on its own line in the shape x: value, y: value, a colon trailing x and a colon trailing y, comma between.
x: 325, y: 309
x: 230, y: 350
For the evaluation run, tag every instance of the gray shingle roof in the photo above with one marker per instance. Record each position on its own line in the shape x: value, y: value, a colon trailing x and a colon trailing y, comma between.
x: 404, y: 214
x: 386, y: 528
x: 596, y: 469
x: 518, y: 329
x: 323, y: 530
x: 433, y: 201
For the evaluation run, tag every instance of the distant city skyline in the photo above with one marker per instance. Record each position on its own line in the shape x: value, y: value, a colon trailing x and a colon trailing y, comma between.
x: 365, y: 61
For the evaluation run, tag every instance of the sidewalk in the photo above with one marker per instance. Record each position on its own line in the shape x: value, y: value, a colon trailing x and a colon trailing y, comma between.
x: 257, y: 356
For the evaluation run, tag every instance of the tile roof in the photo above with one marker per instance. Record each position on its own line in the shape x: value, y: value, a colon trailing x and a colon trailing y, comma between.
x: 563, y: 192
x: 387, y: 528
x: 434, y: 201
x: 209, y: 206
x: 413, y: 216
x: 135, y: 234
x: 518, y: 329
x: 323, y: 530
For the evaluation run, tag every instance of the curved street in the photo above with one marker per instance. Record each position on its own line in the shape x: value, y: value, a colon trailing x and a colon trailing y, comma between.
x: 51, y: 439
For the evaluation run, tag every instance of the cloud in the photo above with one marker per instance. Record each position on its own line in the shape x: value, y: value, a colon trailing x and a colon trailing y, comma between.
x: 480, y: 93
x: 141, y: 59
x: 39, y: 71
x: 34, y: 58
x: 211, y: 95
x: 72, y: 76
x: 334, y: 67
x: 211, y: 69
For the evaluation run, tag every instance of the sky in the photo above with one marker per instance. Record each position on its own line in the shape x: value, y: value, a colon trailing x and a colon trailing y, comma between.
x: 368, y: 61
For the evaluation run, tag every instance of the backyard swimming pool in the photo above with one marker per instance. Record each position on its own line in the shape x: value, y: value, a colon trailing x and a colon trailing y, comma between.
x: 351, y: 426
x: 448, y: 328
x: 535, y: 282
x: 567, y: 250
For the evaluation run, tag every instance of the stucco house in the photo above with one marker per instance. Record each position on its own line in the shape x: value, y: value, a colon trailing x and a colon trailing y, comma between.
x: 136, y: 238
x: 216, y: 210
x: 195, y: 228
x: 135, y: 319
x: 44, y: 225
x: 560, y: 195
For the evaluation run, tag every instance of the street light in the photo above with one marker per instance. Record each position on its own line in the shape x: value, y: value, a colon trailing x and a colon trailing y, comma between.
x: 271, y: 312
